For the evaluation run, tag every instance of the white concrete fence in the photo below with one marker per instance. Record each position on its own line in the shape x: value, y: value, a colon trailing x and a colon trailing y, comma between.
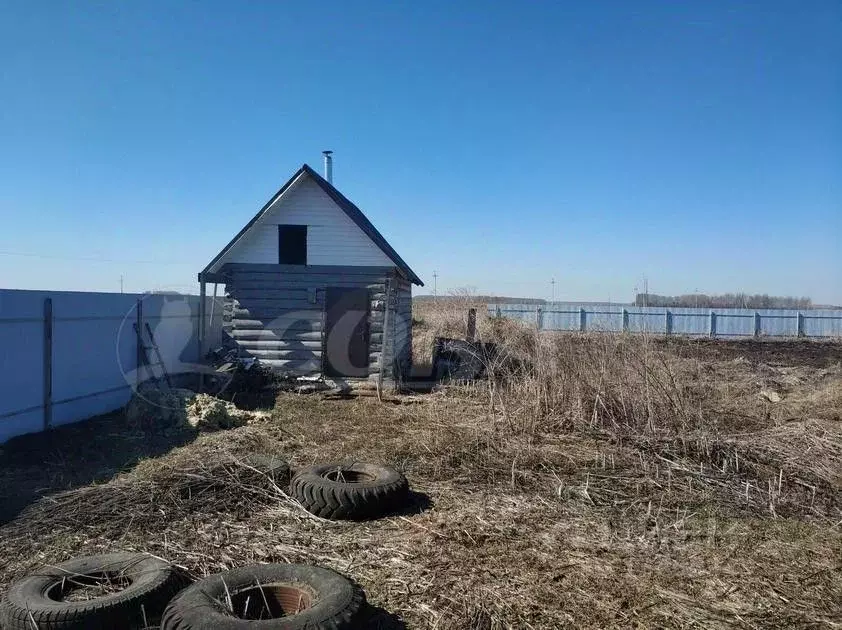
x: 68, y: 356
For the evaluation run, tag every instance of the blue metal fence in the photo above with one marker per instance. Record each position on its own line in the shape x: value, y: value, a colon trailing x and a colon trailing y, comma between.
x: 718, y: 322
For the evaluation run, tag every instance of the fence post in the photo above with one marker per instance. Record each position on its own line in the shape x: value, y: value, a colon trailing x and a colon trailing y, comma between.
x: 539, y: 318
x: 667, y: 322
x: 48, y: 363
x: 712, y: 327
x: 756, y: 324
x: 583, y: 322
x: 472, y: 324
x: 625, y: 320
x: 139, y: 344
x: 799, y: 324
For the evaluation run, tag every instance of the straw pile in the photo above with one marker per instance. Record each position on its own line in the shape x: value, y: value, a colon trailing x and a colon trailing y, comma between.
x: 175, y: 409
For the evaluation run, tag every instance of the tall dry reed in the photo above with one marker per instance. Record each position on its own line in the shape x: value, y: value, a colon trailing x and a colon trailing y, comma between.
x: 619, y: 383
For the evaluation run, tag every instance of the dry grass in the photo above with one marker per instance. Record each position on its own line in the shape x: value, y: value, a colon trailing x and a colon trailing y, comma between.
x: 597, y: 481
x: 448, y: 318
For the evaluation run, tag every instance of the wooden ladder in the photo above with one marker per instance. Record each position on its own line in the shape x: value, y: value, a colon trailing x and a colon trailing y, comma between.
x: 154, y: 347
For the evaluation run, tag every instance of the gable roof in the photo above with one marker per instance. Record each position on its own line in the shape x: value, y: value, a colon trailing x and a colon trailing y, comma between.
x: 354, y: 213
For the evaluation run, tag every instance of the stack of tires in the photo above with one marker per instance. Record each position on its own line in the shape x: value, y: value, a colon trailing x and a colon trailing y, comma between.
x: 137, y: 591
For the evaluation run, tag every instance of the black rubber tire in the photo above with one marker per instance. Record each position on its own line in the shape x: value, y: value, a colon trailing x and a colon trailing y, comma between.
x: 337, y: 601
x: 153, y: 584
x: 384, y: 491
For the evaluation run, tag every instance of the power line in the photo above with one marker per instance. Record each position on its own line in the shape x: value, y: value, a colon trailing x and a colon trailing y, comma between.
x: 96, y: 259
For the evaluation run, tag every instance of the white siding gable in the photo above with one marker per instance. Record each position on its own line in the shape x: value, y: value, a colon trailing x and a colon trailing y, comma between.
x: 332, y: 237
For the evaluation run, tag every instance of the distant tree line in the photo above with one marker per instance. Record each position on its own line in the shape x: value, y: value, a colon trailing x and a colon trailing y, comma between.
x: 726, y: 300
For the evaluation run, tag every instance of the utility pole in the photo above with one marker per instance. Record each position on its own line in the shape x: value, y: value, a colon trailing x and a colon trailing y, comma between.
x: 121, y: 283
x: 435, y: 283
x: 552, y: 292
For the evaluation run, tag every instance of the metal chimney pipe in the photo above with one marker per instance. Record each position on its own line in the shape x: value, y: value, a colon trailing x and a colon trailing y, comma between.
x: 328, y: 166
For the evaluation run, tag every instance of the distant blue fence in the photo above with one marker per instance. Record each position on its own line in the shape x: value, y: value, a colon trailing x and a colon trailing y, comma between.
x: 718, y: 322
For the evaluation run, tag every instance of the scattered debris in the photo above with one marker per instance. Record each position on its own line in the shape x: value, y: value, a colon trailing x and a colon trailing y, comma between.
x: 247, y: 375
x: 311, y: 384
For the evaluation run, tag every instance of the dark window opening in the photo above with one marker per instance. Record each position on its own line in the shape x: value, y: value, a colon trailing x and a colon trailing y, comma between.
x: 292, y: 244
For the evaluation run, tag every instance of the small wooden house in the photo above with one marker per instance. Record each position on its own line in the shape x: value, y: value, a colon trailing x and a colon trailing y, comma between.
x: 313, y: 288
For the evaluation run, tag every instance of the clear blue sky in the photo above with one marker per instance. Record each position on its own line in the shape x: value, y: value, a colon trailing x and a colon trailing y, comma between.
x: 501, y: 144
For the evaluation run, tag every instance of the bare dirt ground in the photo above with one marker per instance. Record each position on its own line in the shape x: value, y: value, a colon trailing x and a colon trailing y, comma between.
x: 595, y: 482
